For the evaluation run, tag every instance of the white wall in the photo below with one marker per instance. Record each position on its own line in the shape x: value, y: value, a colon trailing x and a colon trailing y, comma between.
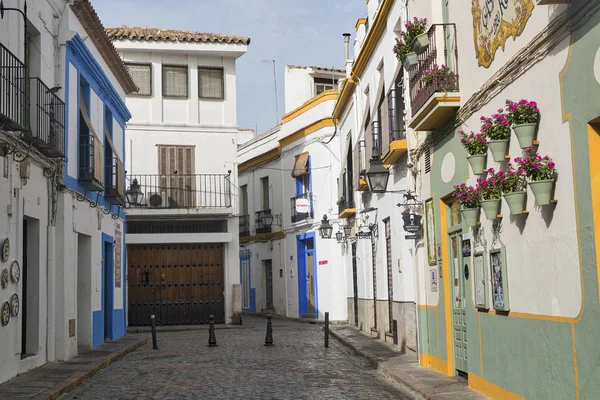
x: 300, y: 84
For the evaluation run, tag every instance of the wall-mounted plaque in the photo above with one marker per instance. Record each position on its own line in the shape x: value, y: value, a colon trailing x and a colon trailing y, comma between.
x: 480, y: 279
x: 499, y: 279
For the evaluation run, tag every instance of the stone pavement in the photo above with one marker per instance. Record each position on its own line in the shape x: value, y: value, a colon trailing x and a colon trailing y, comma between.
x: 53, y: 379
x: 241, y: 367
x: 423, y: 383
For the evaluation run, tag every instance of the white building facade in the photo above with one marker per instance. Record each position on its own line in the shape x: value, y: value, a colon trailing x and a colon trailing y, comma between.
x: 182, y: 235
x: 62, y: 183
x: 286, y: 176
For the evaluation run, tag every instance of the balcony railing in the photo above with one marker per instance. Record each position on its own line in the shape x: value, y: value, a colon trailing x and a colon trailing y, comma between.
x: 91, y: 161
x: 46, y: 119
x: 344, y: 204
x: 12, y: 91
x: 376, y: 125
x: 440, y: 35
x: 115, y: 180
x: 396, y: 115
x: 301, y: 216
x: 184, y: 191
x: 260, y: 225
x: 244, y: 225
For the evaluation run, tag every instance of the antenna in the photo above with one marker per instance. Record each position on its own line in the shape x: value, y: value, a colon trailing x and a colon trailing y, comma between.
x: 275, y: 84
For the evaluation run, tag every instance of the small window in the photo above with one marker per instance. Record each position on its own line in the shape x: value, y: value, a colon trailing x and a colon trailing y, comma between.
x: 175, y: 81
x: 427, y: 159
x: 323, y: 84
x: 142, y: 76
x: 265, y: 193
x: 211, y: 83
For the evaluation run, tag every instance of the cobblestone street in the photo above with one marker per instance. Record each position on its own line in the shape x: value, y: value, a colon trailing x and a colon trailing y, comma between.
x: 297, y: 367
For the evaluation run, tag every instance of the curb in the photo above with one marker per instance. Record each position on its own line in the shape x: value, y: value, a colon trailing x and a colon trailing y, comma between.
x: 75, y: 380
x: 406, y: 382
x: 294, y: 319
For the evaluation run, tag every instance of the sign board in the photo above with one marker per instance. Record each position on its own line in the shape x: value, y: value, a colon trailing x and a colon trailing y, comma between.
x: 363, y: 235
x: 434, y: 280
x: 302, y: 206
x: 323, y: 262
x: 415, y: 236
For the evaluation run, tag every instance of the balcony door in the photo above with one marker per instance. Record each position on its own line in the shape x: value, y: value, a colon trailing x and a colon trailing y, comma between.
x: 176, y: 183
x: 448, y: 35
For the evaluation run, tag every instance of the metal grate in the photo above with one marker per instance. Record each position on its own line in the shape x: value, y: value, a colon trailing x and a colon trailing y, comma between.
x: 199, y: 226
x: 427, y: 159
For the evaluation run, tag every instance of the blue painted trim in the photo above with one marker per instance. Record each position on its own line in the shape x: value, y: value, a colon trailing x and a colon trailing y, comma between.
x: 118, y: 323
x: 302, y: 281
x: 108, y: 292
x: 124, y: 272
x: 97, y: 328
x: 252, y: 307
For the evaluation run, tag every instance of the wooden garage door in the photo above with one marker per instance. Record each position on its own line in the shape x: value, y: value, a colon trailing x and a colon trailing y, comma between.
x: 182, y: 284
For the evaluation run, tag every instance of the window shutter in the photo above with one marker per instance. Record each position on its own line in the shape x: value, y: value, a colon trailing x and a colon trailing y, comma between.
x: 174, y: 81
x: 355, y: 166
x: 368, y: 144
x: 385, y: 126
x: 142, y: 76
x: 210, y: 83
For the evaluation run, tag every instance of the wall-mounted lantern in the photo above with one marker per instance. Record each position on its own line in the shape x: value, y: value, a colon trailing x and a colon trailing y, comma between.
x: 134, y: 194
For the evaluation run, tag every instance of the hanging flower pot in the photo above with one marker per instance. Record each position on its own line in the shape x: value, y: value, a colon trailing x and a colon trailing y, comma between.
x: 498, y: 149
x: 419, y: 45
x: 490, y: 207
x: 478, y: 163
x: 542, y: 191
x: 470, y: 216
x: 525, y: 134
x: 515, y: 202
x: 410, y: 60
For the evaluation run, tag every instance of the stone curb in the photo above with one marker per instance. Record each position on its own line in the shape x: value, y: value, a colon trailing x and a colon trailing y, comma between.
x: 169, y: 329
x: 293, y: 319
x: 405, y: 381
x: 73, y: 381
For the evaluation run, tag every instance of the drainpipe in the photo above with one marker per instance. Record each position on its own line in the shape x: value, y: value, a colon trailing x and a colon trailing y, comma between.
x: 346, y: 46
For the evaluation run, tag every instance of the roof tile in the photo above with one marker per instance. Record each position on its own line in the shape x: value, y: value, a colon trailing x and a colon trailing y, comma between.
x: 169, y: 35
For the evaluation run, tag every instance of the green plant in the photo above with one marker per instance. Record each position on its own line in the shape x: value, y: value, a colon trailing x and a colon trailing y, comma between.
x: 474, y: 143
x: 536, y: 167
x: 490, y: 188
x: 403, y: 45
x: 496, y: 127
x: 513, y: 179
x: 468, y: 196
x: 523, y: 112
x: 441, y: 74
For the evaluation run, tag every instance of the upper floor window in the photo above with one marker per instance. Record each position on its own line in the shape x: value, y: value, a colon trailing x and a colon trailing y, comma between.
x: 244, y: 200
x: 264, y: 182
x: 175, y: 81
x: 323, y: 84
x: 211, y: 83
x: 142, y: 76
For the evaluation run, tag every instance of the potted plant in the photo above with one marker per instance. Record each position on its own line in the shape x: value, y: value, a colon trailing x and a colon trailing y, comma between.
x: 524, y: 117
x: 513, y: 187
x: 541, y: 173
x: 490, y: 190
x: 469, y: 199
x: 417, y: 34
x: 403, y: 47
x: 440, y: 74
x: 497, y: 130
x: 476, y: 146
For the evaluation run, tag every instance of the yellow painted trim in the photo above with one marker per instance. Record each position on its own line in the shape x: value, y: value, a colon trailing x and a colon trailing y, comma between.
x: 594, y: 150
x: 447, y: 293
x: 307, y: 130
x: 427, y: 306
x: 366, y: 52
x: 363, y: 186
x: 490, y: 389
x: 423, y: 112
x: 344, y: 98
x: 429, y: 360
x: 576, y: 369
x: 347, y: 213
x: 397, y: 149
x: 259, y: 160
x: 361, y: 21
x: 328, y: 95
x: 263, y: 236
x: 480, y: 345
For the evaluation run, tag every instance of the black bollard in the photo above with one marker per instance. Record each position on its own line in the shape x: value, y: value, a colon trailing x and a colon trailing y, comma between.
x: 212, y: 340
x: 154, y: 342
x: 326, y: 329
x: 269, y: 338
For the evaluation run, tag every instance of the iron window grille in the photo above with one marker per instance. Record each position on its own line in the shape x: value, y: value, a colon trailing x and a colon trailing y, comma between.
x: 211, y: 83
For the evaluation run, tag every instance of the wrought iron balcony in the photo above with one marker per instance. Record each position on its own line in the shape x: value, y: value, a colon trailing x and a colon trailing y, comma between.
x: 12, y: 91
x: 183, y: 191
x: 244, y: 225
x: 46, y: 119
x: 298, y: 216
x: 346, y: 207
x: 115, y: 180
x: 261, y: 227
x: 439, y: 91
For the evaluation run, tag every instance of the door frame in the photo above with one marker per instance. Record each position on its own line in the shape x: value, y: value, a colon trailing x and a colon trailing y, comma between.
x: 456, y: 231
x: 301, y: 240
x: 108, y: 286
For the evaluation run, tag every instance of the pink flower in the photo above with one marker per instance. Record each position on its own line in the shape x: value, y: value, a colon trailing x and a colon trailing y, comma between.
x: 551, y: 165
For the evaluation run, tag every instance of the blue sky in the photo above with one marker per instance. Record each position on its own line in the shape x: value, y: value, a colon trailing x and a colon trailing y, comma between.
x: 296, y: 32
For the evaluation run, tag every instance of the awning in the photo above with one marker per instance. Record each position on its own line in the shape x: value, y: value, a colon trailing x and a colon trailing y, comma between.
x: 301, y: 165
x: 88, y: 122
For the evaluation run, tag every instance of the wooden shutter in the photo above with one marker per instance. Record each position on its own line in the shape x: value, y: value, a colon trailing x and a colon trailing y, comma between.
x: 355, y: 167
x: 98, y: 160
x: 368, y: 143
x: 385, y: 126
x: 176, y: 175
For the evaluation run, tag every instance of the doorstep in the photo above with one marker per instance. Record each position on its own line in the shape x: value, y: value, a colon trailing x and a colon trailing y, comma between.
x: 403, y: 369
x: 53, y: 379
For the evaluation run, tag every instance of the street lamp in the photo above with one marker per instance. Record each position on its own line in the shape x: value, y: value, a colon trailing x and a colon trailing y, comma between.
x: 326, y: 229
x: 377, y: 176
x: 347, y: 230
x: 134, y: 194
x: 267, y: 220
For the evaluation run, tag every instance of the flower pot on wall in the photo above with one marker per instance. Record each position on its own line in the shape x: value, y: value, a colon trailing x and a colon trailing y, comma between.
x: 470, y: 216
x: 542, y: 191
x: 478, y: 163
x: 498, y: 149
x: 410, y: 60
x: 525, y: 134
x: 515, y: 202
x: 419, y: 45
x: 490, y: 207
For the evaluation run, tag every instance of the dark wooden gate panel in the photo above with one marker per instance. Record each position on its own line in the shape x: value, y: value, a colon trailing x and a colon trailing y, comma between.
x: 182, y: 284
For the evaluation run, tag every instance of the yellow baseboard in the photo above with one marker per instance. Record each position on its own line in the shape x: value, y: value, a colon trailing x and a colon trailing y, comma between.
x: 491, y: 390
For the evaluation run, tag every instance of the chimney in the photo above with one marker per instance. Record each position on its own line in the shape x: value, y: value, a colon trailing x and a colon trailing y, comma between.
x: 346, y: 46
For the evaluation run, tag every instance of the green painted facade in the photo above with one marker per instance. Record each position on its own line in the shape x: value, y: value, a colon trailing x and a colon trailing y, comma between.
x: 535, y: 358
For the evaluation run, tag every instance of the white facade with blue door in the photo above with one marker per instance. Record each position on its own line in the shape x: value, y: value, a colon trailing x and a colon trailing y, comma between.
x: 67, y: 239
